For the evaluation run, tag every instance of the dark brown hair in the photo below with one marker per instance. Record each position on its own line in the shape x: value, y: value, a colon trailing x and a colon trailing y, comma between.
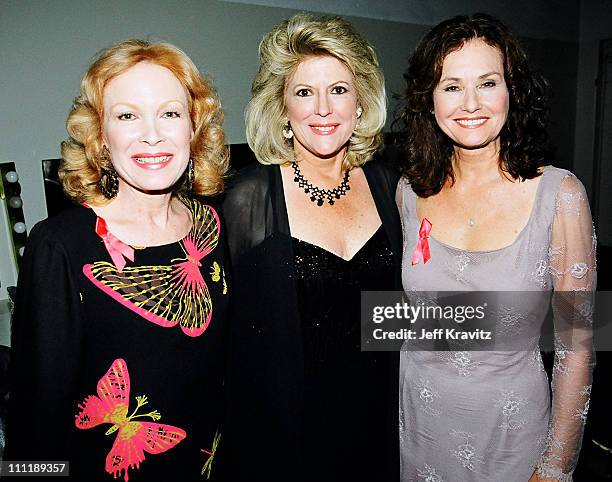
x: 427, y: 162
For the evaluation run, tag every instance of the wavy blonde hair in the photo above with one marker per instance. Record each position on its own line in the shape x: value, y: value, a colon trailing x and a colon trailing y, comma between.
x: 82, y: 153
x: 280, y: 52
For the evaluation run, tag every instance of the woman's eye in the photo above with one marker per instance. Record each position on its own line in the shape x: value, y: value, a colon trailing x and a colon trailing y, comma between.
x: 126, y: 116
x: 451, y: 88
x: 172, y: 114
x: 489, y: 83
x: 303, y: 93
x: 339, y: 89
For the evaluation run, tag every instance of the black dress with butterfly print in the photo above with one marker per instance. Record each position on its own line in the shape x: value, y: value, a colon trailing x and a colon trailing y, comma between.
x: 120, y: 372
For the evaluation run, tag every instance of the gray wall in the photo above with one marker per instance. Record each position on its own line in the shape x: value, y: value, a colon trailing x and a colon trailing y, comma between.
x: 45, y: 46
x: 552, y: 19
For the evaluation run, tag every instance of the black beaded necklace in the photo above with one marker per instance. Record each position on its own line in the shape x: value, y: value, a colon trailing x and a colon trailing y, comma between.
x: 318, y: 195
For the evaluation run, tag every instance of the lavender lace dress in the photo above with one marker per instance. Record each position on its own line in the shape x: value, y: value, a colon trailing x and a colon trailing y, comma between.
x: 487, y: 415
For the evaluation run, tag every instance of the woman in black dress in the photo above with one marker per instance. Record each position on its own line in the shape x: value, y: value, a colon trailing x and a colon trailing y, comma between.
x: 309, y: 228
x: 118, y: 338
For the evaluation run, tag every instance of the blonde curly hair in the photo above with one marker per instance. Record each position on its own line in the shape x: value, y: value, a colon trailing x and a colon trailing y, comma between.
x: 280, y: 52
x: 83, y: 156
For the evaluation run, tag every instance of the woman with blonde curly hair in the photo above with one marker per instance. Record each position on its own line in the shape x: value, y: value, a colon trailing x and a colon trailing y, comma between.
x: 310, y: 227
x: 122, y: 299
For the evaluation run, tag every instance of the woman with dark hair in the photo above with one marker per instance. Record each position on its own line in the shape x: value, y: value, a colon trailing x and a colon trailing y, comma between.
x: 483, y: 211
x: 312, y: 224
x: 118, y: 339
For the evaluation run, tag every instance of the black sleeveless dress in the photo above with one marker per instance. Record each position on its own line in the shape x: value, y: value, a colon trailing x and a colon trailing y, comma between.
x: 343, y: 405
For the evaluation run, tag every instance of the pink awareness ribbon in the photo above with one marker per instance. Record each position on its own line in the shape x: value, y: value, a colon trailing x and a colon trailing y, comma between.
x: 421, y: 251
x: 115, y: 247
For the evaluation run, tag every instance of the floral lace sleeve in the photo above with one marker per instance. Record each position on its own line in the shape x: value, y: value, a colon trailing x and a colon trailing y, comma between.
x: 572, y: 265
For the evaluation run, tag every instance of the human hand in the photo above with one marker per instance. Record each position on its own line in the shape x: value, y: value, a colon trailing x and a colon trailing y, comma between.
x: 536, y: 478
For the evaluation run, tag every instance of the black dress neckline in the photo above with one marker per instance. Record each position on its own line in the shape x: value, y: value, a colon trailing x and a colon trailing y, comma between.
x: 376, y: 233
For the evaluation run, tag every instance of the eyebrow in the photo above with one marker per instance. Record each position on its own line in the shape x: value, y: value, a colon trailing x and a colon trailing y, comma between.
x: 330, y: 85
x: 177, y: 101
x: 489, y: 74
x: 123, y: 104
x: 456, y: 79
x: 135, y: 107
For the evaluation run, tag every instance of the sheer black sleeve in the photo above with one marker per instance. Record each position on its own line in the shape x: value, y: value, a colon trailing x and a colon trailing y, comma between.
x: 46, y: 345
x: 248, y: 209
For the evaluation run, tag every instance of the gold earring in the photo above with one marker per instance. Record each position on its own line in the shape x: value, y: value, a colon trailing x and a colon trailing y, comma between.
x: 190, y: 174
x: 287, y: 131
x: 108, y: 184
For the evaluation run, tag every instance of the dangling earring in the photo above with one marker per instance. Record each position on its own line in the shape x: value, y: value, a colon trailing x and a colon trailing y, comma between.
x: 359, y: 112
x: 190, y: 175
x: 109, y: 180
x: 287, y: 131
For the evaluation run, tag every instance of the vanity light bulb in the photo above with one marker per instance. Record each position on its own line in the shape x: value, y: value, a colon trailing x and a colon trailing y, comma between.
x: 19, y: 227
x: 15, y: 202
x: 12, y: 176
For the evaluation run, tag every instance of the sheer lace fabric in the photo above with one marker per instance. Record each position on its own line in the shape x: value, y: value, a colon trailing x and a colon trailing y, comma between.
x: 475, y: 416
x: 572, y: 267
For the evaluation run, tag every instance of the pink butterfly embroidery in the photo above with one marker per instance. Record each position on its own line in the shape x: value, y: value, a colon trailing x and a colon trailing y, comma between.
x: 171, y: 294
x: 134, y: 437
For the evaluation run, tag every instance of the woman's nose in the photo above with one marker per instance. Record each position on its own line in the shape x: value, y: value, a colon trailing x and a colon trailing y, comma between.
x: 151, y: 133
x: 323, y: 105
x: 471, y: 100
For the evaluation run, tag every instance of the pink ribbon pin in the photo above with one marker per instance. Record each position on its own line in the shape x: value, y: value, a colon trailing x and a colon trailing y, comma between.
x: 115, y: 247
x: 421, y: 251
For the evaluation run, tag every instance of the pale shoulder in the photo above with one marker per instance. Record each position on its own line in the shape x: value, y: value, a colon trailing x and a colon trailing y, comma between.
x: 565, y: 193
x: 563, y: 182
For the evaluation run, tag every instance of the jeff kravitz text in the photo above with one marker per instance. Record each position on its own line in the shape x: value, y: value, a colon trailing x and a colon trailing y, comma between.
x: 422, y: 312
x: 435, y: 334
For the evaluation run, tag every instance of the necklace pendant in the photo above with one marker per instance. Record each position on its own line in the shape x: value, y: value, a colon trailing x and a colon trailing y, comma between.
x: 319, y: 195
x: 471, y: 222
